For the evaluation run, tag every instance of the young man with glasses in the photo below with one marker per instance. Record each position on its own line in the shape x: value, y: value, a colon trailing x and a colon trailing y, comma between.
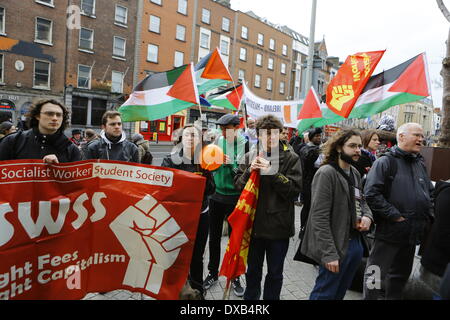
x: 112, y: 144
x: 45, y: 140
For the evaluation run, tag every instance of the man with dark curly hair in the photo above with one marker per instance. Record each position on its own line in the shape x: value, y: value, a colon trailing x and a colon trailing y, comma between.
x: 281, y: 177
x: 45, y: 140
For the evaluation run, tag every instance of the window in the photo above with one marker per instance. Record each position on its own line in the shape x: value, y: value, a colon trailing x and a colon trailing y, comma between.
x: 46, y: 2
x: 259, y: 59
x: 157, y: 2
x: 43, y: 31
x: 86, y: 39
x: 84, y: 76
x: 88, y: 7
x: 119, y: 47
x: 224, y: 47
x: 79, y: 110
x: 182, y: 6
x: 283, y: 68
x: 282, y: 87
x: 243, y: 54
x: 98, y: 109
x: 244, y: 32
x: 270, y: 64
x: 178, y: 59
x: 204, y: 40
x: 241, y: 74
x: 269, y: 84
x: 257, y: 81
x: 260, y: 39
x: 226, y: 24
x: 206, y: 15
x: 2, y: 20
x: 181, y: 33
x: 1, y: 68
x: 41, y: 74
x: 121, y: 15
x: 155, y: 23
x: 285, y: 49
x: 117, y: 82
x: 152, y: 53
x: 272, y: 44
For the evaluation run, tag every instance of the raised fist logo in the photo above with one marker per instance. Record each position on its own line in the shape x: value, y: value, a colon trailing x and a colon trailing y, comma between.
x: 152, y: 239
x: 341, y: 95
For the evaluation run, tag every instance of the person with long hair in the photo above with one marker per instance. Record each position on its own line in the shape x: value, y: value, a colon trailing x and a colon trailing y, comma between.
x: 371, y: 141
x: 186, y: 156
x: 338, y: 217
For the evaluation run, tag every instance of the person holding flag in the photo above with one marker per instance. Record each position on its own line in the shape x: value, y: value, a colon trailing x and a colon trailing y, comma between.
x: 273, y: 225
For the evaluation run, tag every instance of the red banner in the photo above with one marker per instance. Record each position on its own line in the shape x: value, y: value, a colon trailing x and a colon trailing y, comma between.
x: 95, y: 226
x: 351, y: 78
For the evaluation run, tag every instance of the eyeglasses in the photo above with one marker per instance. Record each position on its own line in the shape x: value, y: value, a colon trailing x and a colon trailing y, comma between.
x: 51, y: 114
x: 354, y: 146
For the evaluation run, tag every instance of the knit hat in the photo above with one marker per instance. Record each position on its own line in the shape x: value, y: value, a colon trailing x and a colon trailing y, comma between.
x: 136, y: 137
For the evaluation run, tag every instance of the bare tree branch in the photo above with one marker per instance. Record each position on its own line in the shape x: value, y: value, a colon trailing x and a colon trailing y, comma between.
x: 444, y: 9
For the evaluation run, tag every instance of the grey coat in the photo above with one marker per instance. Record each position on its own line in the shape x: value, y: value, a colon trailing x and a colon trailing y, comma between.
x: 328, y: 229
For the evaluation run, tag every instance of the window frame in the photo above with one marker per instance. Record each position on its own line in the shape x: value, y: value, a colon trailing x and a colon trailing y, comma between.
x: 49, y: 75
x: 259, y: 55
x: 175, y: 59
x: 92, y: 40
x: 51, y: 5
x: 203, y: 16
x: 257, y: 85
x: 157, y: 52
x: 209, y: 40
x: 3, y: 24
x: 229, y: 24
x: 239, y: 72
x: 281, y: 68
x: 240, y: 54
x: 262, y: 39
x: 269, y: 88
x: 184, y: 33
x: 272, y: 45
x: 78, y: 76
x: 284, y: 50
x: 2, y: 69
x: 124, y: 46
x: 269, y: 65
x: 158, y: 2
x: 93, y: 9
x: 36, y: 32
x: 246, y: 32
x: 227, y: 47
x: 284, y: 85
x: 186, y: 7
x: 121, y: 83
x: 150, y: 24
x: 126, y: 15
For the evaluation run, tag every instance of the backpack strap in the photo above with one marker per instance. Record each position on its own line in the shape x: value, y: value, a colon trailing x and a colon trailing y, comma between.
x: 389, y: 178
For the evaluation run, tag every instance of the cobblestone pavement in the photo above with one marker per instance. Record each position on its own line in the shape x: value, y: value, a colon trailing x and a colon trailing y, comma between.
x: 299, y: 279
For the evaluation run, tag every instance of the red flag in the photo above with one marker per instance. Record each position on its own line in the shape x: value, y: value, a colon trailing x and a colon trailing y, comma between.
x: 241, y: 220
x: 414, y: 79
x: 352, y: 76
x: 311, y: 106
x: 215, y: 68
x: 185, y: 87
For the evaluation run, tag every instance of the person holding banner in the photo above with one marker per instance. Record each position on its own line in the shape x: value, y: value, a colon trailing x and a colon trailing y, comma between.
x: 337, y: 219
x: 45, y: 140
x: 187, y: 159
x: 280, y: 184
x: 112, y: 144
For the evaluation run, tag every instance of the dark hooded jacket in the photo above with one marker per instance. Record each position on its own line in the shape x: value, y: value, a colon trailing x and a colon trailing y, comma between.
x: 31, y: 144
x: 409, y: 197
x: 103, y: 148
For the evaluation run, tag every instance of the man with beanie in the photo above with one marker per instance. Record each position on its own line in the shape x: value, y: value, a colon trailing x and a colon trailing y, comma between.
x: 112, y: 144
x: 76, y: 137
x: 223, y: 201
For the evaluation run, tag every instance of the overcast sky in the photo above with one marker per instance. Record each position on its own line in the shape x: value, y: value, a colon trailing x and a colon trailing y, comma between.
x: 404, y: 28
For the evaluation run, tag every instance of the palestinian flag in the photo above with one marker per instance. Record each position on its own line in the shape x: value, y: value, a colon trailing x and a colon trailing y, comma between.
x: 404, y: 83
x: 311, y: 106
x: 211, y: 72
x: 229, y: 99
x: 161, y: 94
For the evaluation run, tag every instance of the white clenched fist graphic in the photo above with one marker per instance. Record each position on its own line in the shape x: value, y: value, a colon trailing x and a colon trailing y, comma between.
x: 152, y: 239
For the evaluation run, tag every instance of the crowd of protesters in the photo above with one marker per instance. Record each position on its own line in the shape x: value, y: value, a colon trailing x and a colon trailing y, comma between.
x: 354, y: 184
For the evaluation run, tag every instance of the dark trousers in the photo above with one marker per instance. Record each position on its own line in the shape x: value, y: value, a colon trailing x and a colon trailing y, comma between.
x: 395, y: 263
x: 196, y: 269
x: 275, y: 252
x: 218, y: 211
x: 333, y: 286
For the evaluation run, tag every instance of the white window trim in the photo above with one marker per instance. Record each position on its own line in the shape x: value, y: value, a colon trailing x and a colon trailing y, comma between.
x: 89, y: 50
x: 2, y: 74
x: 209, y: 40
x: 121, y: 87
x: 51, y: 32
x: 90, y: 76
x: 4, y: 22
x: 175, y: 59
x: 176, y: 33
x: 93, y: 10
x: 209, y: 16
x: 282, y: 91
x: 159, y: 3
x: 150, y: 24
x: 49, y: 74
x: 178, y: 8
x: 126, y: 16
x: 259, y: 85
x: 281, y: 68
x: 270, y: 44
x: 268, y: 63
x: 228, y: 46
x: 282, y: 50
x: 261, y: 60
x: 243, y: 72
x: 148, y: 51
x: 242, y: 33
x: 261, y: 44
x: 124, y: 47
x: 240, y: 54
x: 51, y: 5
x: 229, y: 24
x: 269, y: 88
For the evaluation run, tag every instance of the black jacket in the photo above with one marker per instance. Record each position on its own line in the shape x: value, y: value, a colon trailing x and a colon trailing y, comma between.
x: 31, y: 144
x: 188, y: 165
x: 409, y: 197
x: 308, y: 155
x: 121, y: 151
x: 274, y: 217
x: 437, y: 253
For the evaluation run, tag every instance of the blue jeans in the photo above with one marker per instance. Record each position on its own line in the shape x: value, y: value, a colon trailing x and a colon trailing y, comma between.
x: 275, y: 252
x: 333, y: 286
